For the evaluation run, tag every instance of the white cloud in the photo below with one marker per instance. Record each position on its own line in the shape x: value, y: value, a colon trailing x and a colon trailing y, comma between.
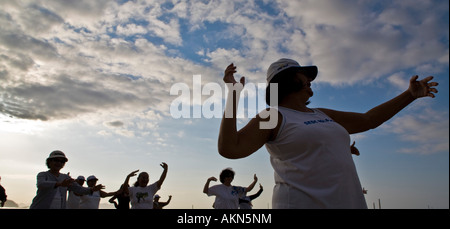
x: 329, y: 13
x: 350, y: 42
x: 85, y: 70
x: 399, y: 80
x: 130, y: 29
x: 98, y: 56
x: 426, y: 132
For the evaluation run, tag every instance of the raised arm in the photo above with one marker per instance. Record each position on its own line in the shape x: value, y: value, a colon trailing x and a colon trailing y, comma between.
x: 256, y: 195
x: 125, y: 185
x: 206, y: 187
x: 360, y: 122
x: 252, y: 185
x: 234, y: 144
x: 163, y: 204
x: 163, y: 175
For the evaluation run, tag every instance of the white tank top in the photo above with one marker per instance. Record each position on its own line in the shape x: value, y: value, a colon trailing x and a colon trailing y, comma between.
x: 90, y: 201
x: 313, y: 164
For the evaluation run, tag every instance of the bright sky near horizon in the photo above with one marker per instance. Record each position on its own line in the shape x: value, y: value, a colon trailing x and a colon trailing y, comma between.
x: 93, y: 79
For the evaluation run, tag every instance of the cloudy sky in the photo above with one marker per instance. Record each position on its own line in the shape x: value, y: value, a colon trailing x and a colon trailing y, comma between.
x: 93, y: 79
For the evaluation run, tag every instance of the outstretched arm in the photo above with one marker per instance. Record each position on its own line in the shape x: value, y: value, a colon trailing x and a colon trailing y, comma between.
x: 106, y: 194
x: 360, y: 122
x: 163, y: 175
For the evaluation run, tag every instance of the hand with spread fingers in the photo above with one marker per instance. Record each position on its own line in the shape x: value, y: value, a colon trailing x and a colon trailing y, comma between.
x: 422, y: 88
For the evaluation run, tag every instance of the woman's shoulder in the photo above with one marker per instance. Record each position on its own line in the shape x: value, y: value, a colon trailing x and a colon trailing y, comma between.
x: 43, y: 173
x: 218, y: 186
x: 270, y: 118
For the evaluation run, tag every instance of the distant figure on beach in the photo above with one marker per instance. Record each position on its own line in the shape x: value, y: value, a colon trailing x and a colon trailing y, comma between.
x: 92, y: 200
x: 227, y: 195
x: 52, y: 185
x: 309, y: 147
x: 73, y: 200
x: 122, y: 197
x: 2, y: 195
x: 246, y: 201
x: 364, y: 191
x: 354, y: 150
x: 160, y: 205
x: 141, y: 195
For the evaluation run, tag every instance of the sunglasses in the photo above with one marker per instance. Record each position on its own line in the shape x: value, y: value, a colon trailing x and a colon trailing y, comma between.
x: 59, y: 160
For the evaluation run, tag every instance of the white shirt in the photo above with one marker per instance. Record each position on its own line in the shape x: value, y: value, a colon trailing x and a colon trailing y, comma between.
x: 57, y: 200
x: 142, y: 197
x: 227, y: 197
x: 90, y: 201
x: 73, y: 201
x: 313, y: 164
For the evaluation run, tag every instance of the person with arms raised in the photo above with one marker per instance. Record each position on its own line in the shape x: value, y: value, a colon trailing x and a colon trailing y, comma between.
x: 141, y: 194
x: 309, y: 147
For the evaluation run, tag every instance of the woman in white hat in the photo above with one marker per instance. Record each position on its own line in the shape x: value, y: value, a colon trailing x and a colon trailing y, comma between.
x: 52, y: 185
x: 309, y: 148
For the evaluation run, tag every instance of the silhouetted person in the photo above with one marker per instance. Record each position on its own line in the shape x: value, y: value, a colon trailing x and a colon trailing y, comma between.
x: 141, y: 194
x: 2, y: 195
x: 73, y: 200
x: 354, y: 150
x: 52, y: 185
x: 160, y: 205
x: 308, y: 147
x: 123, y: 198
x: 246, y: 201
x: 227, y: 195
x: 92, y: 200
